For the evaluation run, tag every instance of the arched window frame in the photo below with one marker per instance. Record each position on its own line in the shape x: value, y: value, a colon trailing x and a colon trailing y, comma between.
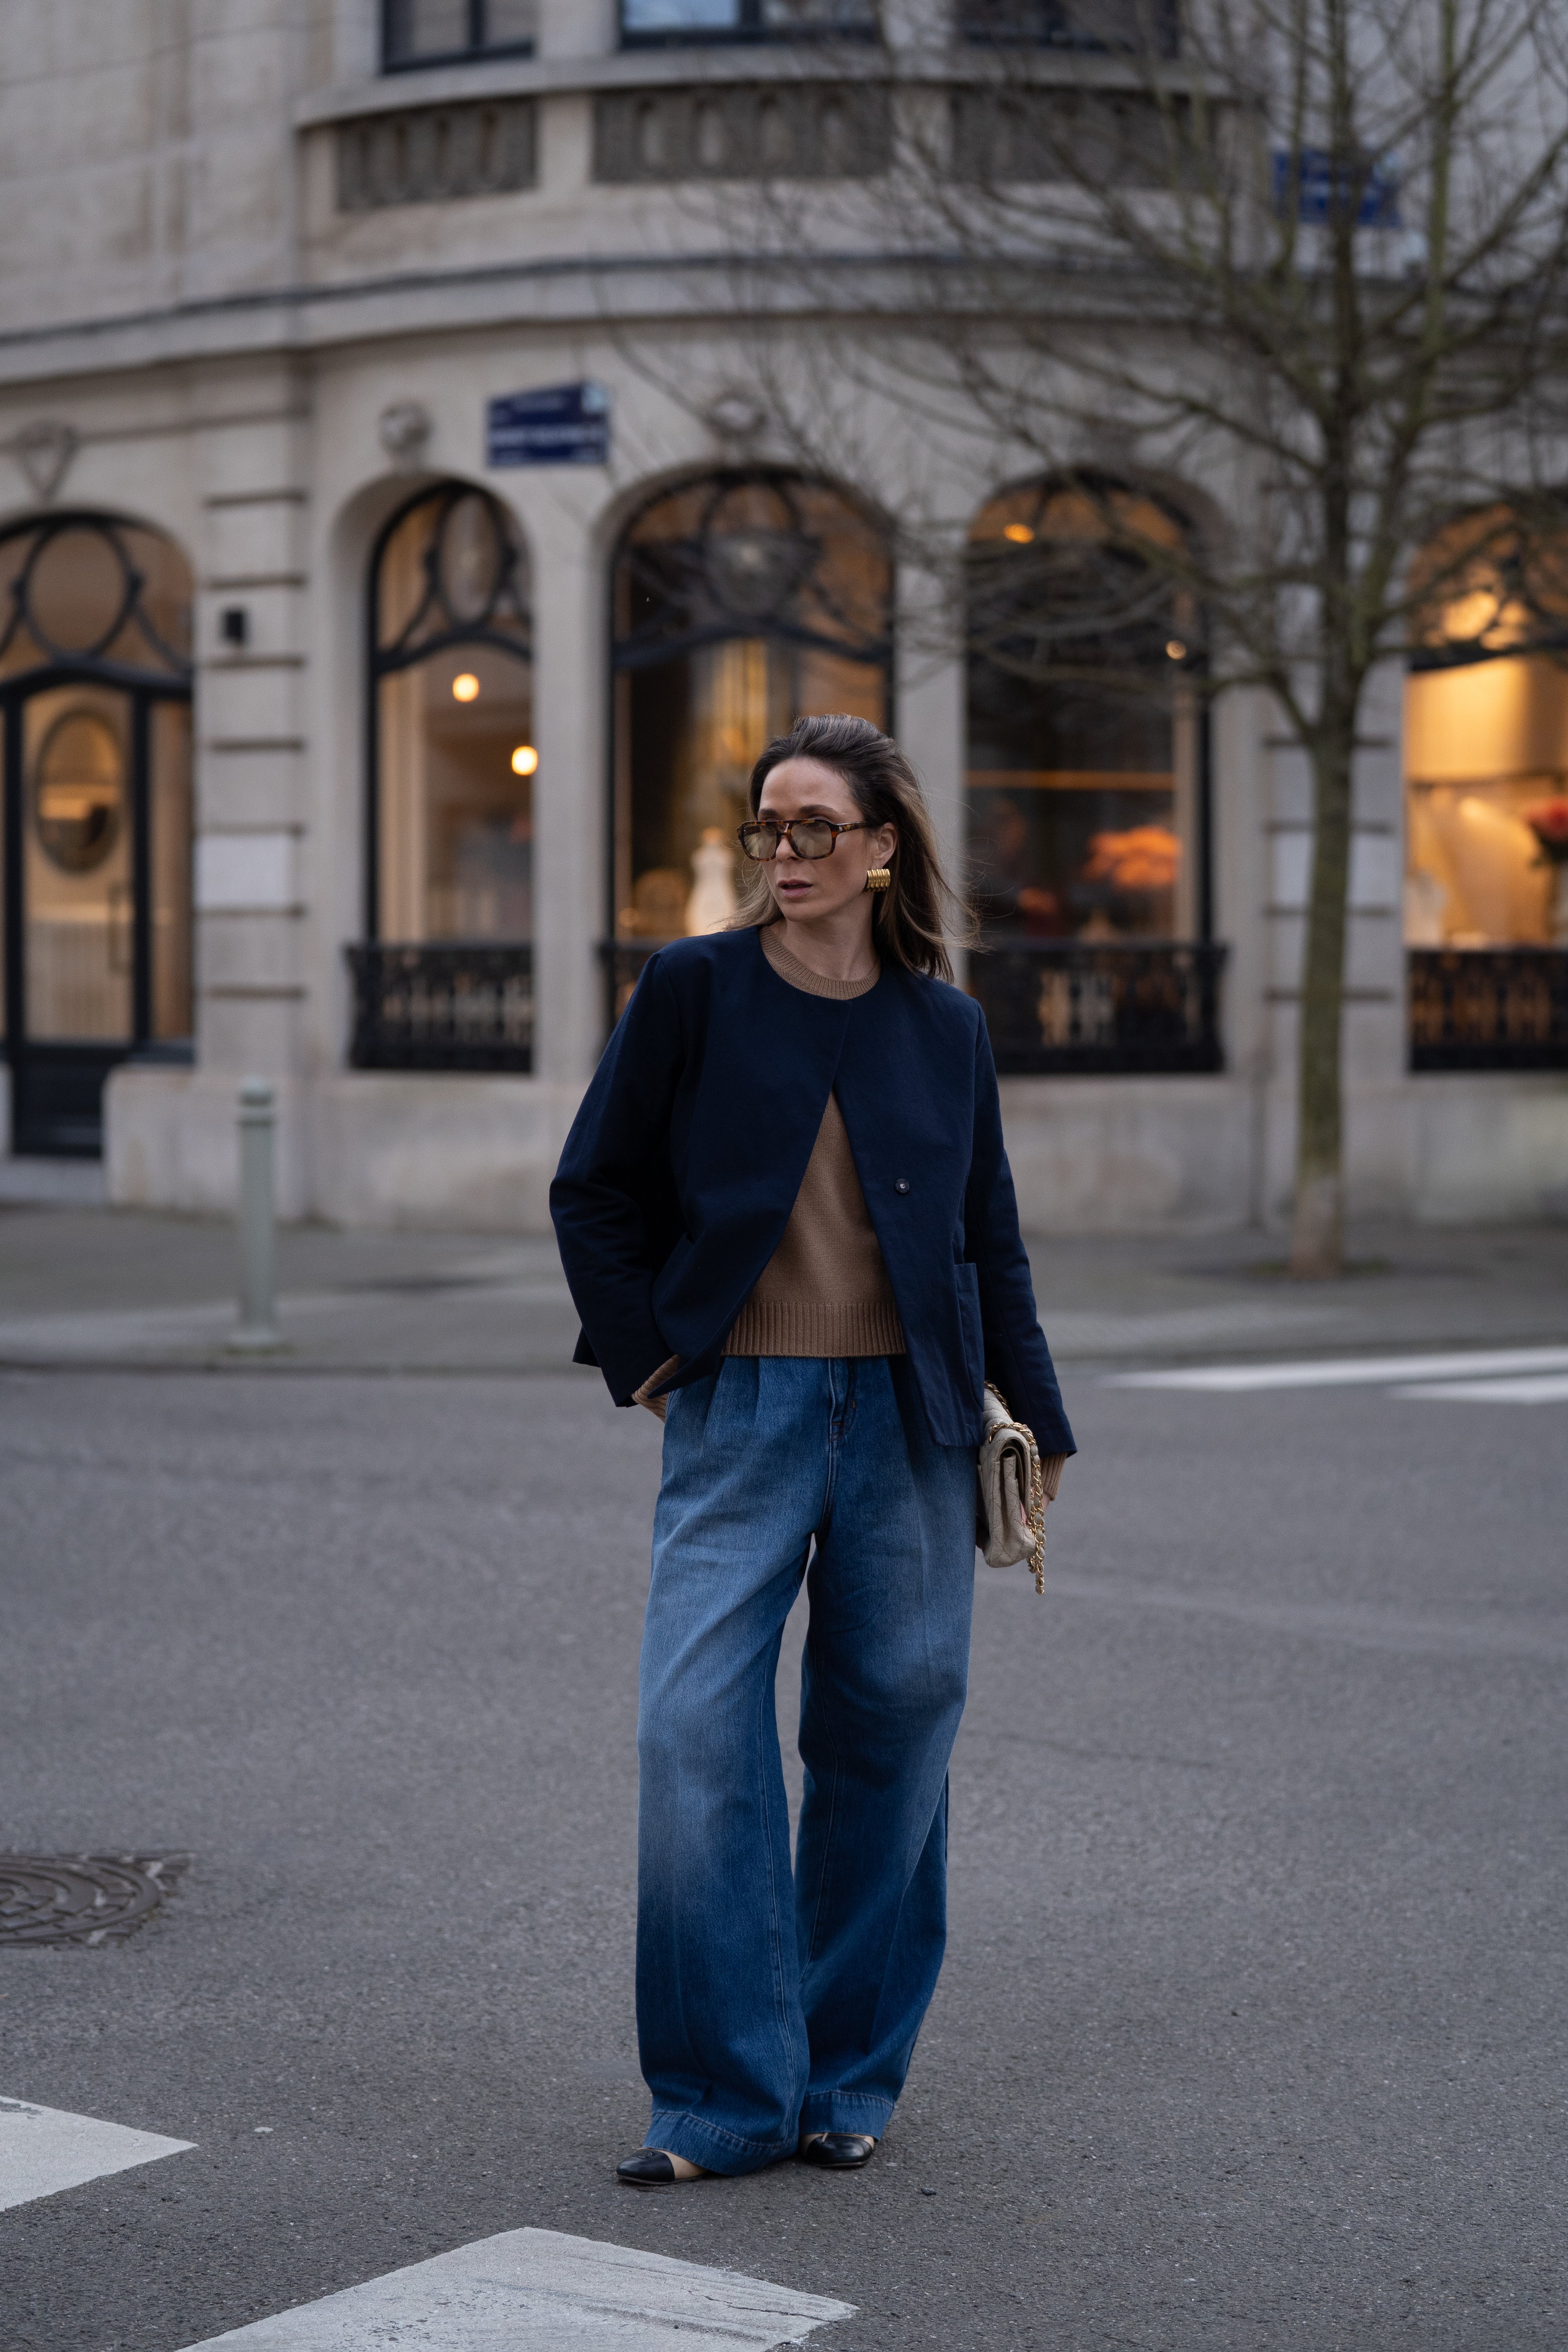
x: 1075, y: 1002
x: 432, y: 629
x: 1191, y: 667
x: 152, y: 671
x: 694, y: 610
x: 1487, y: 627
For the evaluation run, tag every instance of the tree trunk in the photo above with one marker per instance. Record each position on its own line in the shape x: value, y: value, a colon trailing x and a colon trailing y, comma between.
x: 1317, y: 1226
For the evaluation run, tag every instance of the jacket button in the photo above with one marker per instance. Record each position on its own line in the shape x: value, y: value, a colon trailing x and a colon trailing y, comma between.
x: 902, y: 1184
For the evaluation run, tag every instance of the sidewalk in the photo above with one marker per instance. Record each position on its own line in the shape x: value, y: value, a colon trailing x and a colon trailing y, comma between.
x: 83, y: 1285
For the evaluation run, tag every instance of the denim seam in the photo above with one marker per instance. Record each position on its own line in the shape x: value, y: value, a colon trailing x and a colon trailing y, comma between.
x: 833, y: 1817
x: 764, y: 1720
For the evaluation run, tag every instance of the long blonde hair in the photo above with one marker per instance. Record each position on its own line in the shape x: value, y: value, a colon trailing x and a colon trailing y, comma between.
x: 910, y: 919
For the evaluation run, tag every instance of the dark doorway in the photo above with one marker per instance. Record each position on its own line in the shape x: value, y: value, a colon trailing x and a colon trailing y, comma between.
x: 95, y: 741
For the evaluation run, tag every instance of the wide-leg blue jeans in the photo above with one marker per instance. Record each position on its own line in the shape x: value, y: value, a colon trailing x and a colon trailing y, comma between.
x: 770, y: 2003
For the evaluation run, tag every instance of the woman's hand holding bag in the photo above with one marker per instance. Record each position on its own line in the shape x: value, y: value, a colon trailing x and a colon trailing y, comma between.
x: 1011, y: 1520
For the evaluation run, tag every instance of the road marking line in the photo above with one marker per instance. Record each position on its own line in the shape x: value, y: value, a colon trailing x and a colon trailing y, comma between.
x: 1347, y: 1371
x: 1549, y: 1388
x: 44, y: 2150
x: 541, y: 2291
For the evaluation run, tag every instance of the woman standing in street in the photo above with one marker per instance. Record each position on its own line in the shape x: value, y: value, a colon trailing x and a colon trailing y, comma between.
x: 787, y: 1217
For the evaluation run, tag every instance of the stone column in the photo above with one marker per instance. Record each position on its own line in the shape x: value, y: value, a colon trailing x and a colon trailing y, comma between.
x: 250, y: 816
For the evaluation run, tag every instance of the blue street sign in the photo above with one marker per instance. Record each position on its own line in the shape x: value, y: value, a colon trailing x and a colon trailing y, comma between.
x: 566, y: 424
x: 1324, y: 189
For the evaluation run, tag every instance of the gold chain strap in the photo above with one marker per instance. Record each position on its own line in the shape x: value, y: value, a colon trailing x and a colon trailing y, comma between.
x: 1037, y: 1503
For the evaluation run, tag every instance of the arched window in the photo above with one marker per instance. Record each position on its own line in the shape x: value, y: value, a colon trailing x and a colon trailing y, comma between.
x: 452, y: 758
x: 95, y: 684
x: 1486, y: 797
x: 741, y: 600
x: 1086, y: 790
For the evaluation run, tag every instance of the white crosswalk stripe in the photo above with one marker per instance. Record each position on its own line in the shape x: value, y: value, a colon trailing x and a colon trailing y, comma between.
x: 538, y: 2290
x: 1495, y: 1371
x: 1546, y: 1388
x: 44, y: 2150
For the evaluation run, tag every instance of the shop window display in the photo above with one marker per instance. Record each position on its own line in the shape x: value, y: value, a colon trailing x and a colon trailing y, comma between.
x: 452, y: 751
x: 741, y: 600
x: 1083, y: 722
x: 1486, y: 741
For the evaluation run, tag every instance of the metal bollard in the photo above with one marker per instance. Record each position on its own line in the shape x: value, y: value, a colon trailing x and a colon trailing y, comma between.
x: 257, y: 1332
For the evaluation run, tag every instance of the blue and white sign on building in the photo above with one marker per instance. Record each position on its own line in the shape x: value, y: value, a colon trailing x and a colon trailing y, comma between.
x: 1322, y: 188
x: 564, y: 425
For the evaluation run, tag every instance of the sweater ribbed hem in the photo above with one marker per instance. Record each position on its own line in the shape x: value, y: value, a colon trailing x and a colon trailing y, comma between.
x: 816, y: 1327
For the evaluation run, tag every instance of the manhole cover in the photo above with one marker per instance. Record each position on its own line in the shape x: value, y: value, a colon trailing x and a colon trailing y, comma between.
x: 82, y: 1899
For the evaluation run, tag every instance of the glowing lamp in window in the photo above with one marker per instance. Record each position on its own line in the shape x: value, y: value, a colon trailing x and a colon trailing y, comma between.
x: 524, y: 760
x: 1144, y: 857
x: 465, y: 687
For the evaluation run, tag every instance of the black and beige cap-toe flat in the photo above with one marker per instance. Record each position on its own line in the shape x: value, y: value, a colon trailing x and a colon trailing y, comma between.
x: 837, y: 2151
x: 651, y: 2168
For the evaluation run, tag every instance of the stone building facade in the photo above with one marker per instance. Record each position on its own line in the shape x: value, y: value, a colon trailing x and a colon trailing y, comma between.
x: 387, y: 637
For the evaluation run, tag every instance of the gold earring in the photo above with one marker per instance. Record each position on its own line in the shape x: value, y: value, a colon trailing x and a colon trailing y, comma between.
x: 878, y: 878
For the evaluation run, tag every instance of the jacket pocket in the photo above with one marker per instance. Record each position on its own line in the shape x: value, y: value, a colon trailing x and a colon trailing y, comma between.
x: 966, y: 1279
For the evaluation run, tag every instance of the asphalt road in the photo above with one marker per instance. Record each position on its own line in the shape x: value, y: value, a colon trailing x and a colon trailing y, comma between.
x: 1252, y: 2028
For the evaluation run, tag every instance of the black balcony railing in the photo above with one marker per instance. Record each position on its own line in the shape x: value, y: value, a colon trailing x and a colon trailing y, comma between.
x: 1058, y: 1007
x: 445, y: 1006
x: 1053, y: 1006
x: 1489, y: 1008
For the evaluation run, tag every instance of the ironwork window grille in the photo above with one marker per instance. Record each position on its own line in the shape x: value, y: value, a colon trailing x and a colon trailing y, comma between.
x: 1489, y: 1008
x: 449, y: 790
x: 1057, y: 1011
x: 444, y: 32
x: 740, y: 600
x: 1150, y: 1008
x: 466, y: 1006
x: 650, y: 22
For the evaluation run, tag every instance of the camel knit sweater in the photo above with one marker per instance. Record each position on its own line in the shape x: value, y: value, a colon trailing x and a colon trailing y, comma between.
x: 824, y: 1291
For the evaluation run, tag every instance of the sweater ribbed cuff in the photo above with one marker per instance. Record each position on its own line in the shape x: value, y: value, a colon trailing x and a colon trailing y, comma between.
x: 1051, y: 1468
x: 656, y: 1405
x: 816, y: 1327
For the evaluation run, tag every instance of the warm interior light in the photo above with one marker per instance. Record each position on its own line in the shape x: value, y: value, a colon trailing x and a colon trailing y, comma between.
x: 1019, y: 533
x: 524, y: 760
x: 1176, y: 649
x: 465, y: 687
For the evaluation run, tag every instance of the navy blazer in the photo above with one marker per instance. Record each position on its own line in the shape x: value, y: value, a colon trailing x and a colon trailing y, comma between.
x: 684, y: 1161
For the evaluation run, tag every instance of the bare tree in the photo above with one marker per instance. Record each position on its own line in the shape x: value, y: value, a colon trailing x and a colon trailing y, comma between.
x: 1306, y: 255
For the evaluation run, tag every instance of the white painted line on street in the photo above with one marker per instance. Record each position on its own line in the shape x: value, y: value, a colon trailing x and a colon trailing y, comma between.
x: 1550, y: 1388
x: 535, y: 2290
x: 43, y: 2150
x: 1347, y: 1371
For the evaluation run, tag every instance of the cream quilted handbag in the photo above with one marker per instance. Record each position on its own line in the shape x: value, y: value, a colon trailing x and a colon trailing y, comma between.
x: 1010, y: 1524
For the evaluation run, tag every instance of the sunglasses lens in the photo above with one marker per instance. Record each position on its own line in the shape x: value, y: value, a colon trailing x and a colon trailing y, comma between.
x: 760, y: 842
x: 812, y: 840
